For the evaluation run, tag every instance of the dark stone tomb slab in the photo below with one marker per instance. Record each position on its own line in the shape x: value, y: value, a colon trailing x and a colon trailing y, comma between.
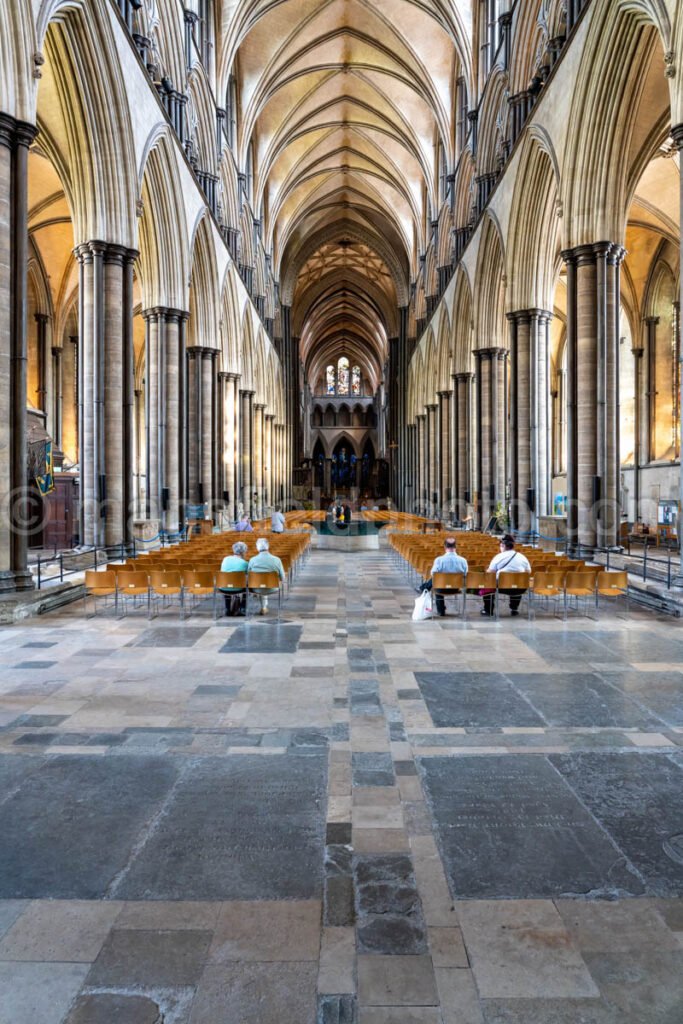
x: 372, y: 769
x: 511, y: 828
x: 581, y: 698
x: 243, y: 827
x: 636, y: 645
x: 638, y: 799
x: 456, y: 699
x: 661, y: 692
x: 35, y: 664
x: 181, y: 636
x: 68, y: 829
x: 216, y: 691
x: 263, y: 638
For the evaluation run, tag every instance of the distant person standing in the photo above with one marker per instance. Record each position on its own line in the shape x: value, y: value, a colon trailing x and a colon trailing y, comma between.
x: 277, y: 521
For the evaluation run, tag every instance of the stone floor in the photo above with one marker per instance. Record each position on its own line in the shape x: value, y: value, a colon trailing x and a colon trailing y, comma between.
x: 346, y: 818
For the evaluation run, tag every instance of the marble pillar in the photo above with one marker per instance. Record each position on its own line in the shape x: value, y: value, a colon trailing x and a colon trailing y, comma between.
x: 269, y: 476
x: 246, y: 439
x: 593, y: 471
x: 207, y: 428
x: 155, y: 321
x: 491, y: 426
x: 15, y: 139
x: 445, y: 479
x: 432, y: 457
x: 677, y: 134
x: 258, y: 449
x: 463, y: 434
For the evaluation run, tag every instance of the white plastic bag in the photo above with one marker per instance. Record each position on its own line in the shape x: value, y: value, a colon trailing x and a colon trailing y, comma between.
x: 423, y: 606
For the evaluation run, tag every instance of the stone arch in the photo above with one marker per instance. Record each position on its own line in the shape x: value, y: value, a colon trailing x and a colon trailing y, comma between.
x: 601, y: 168
x: 162, y: 234
x: 203, y: 323
x: 462, y: 338
x: 97, y: 124
x: 355, y: 233
x: 534, y: 228
x: 18, y: 42
x: 230, y: 321
x: 489, y: 288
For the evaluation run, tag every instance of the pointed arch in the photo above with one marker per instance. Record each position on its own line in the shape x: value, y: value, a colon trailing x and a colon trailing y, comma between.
x: 203, y: 323
x: 489, y: 288
x: 163, y: 243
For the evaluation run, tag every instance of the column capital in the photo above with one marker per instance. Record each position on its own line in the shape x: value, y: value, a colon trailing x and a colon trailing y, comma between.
x: 444, y: 394
x: 432, y: 406
x: 15, y: 133
x: 247, y: 393
x: 677, y: 134
x: 527, y: 315
x: 223, y: 375
x: 177, y: 316
x: 41, y: 318
x: 589, y: 253
x: 651, y: 320
x: 56, y: 350
x: 463, y: 377
x: 492, y: 352
x: 270, y: 416
x: 259, y: 405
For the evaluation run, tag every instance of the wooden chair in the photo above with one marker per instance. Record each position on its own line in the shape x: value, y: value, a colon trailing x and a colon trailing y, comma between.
x: 579, y: 585
x: 515, y: 581
x: 99, y: 585
x: 164, y: 587
x: 229, y: 583
x: 263, y: 584
x: 547, y: 585
x: 612, y: 585
x: 449, y: 584
x: 479, y: 579
x: 198, y: 586
x: 133, y: 586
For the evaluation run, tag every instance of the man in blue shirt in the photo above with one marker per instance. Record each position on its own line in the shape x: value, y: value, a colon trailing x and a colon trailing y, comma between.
x: 450, y: 561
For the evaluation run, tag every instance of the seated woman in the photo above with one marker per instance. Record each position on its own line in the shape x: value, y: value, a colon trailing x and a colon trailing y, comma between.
x: 507, y: 560
x: 236, y: 562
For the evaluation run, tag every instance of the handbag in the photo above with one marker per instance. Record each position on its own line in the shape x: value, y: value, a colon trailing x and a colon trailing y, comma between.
x: 423, y: 607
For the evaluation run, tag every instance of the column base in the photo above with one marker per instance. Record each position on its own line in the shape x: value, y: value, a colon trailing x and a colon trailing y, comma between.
x: 23, y: 580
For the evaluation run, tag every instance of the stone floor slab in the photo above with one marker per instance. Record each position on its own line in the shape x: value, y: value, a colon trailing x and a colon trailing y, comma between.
x: 256, y: 994
x: 396, y: 981
x: 138, y: 959
x: 107, y: 1008
x: 474, y: 699
x: 33, y: 993
x: 70, y: 931
x: 499, y: 818
x: 521, y: 950
x: 267, y: 931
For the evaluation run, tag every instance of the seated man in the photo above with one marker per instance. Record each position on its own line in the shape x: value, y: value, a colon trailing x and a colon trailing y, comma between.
x: 450, y: 561
x: 243, y: 524
x: 508, y: 560
x: 265, y: 562
x: 236, y: 562
x: 277, y: 521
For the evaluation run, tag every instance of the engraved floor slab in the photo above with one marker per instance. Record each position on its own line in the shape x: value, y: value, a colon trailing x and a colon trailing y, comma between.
x: 474, y: 699
x: 511, y: 827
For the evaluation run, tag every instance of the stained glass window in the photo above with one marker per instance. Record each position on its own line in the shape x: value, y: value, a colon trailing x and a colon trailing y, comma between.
x: 343, y: 376
x: 331, y: 377
x: 355, y: 380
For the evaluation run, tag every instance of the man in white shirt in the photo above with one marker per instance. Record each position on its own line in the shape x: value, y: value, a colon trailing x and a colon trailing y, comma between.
x: 508, y: 560
x: 449, y: 561
x: 277, y: 521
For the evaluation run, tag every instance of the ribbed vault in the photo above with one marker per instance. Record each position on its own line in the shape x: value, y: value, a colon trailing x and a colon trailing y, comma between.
x: 343, y: 107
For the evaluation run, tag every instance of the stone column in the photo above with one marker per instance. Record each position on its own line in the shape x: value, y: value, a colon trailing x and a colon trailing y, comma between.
x: 258, y: 449
x: 432, y: 456
x: 207, y: 428
x: 15, y: 139
x: 172, y: 423
x: 194, y: 424
x: 651, y: 323
x: 230, y: 447
x: 445, y: 485
x: 57, y: 395
x: 42, y: 321
x: 592, y: 368
x: 138, y: 451
x: 70, y: 399
x: 421, y: 461
x: 637, y: 427
x: 529, y: 426
x: 246, y: 448
x: 269, y: 478
x: 677, y: 134
x: 218, y: 489
x: 491, y: 405
x: 155, y: 321
x: 463, y: 440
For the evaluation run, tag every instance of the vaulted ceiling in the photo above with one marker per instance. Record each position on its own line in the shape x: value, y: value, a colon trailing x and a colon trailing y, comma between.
x: 342, y: 105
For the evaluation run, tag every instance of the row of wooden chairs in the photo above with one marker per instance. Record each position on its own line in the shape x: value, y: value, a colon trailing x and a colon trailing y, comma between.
x: 559, y: 586
x: 188, y: 588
